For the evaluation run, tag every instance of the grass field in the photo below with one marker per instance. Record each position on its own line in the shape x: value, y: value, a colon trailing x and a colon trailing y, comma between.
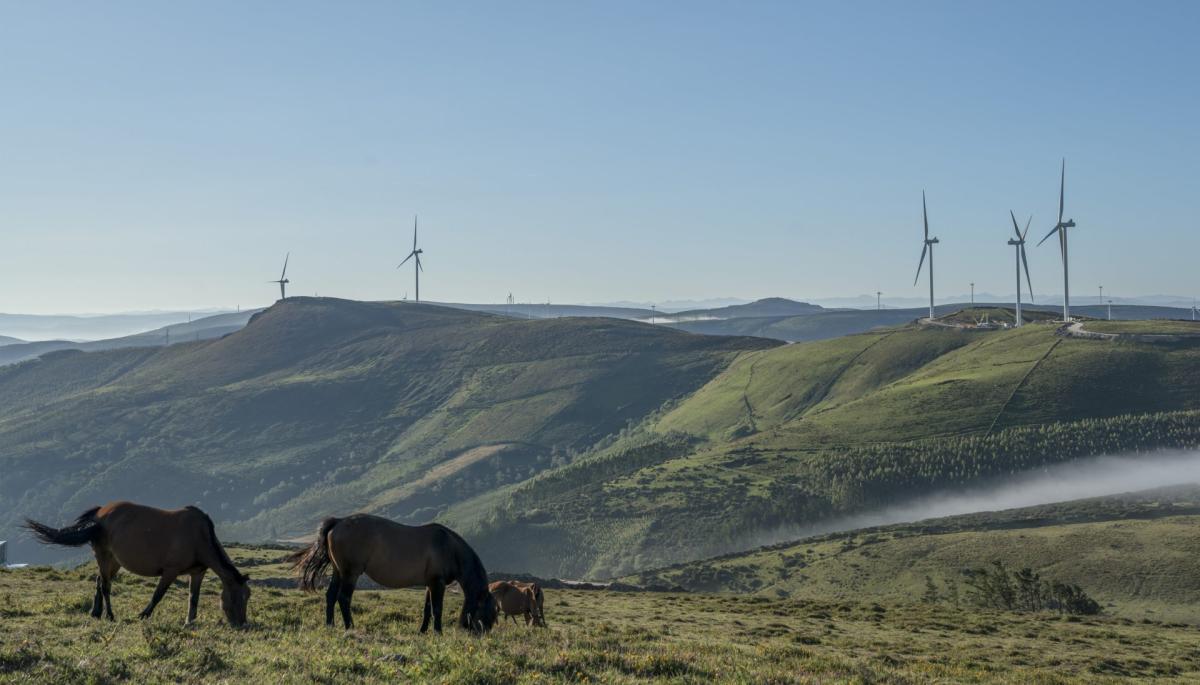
x: 593, y: 637
x: 1150, y: 327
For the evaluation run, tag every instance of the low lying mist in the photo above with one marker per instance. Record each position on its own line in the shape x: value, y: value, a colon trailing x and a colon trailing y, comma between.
x: 1080, y: 479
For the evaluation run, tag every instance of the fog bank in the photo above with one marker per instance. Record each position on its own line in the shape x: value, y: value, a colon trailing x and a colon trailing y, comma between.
x: 1079, y: 479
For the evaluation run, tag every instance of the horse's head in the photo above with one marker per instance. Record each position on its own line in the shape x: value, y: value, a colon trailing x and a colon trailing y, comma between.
x: 235, y: 595
x: 480, y: 618
x: 533, y: 595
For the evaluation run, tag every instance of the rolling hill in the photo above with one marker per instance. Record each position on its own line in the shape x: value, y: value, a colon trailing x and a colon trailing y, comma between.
x: 806, y: 432
x: 323, y: 406
x: 567, y: 446
x: 6, y: 340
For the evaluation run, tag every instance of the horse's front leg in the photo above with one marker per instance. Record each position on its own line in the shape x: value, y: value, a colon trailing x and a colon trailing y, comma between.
x: 164, y: 582
x: 194, y: 598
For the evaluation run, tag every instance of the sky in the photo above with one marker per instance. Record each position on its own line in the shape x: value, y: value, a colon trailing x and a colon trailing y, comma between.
x: 168, y: 155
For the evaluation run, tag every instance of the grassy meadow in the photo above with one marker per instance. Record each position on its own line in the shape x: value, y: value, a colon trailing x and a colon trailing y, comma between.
x: 594, y: 636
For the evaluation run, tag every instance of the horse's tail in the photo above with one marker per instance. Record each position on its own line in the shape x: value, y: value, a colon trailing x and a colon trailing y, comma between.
x: 85, y: 530
x: 310, y: 562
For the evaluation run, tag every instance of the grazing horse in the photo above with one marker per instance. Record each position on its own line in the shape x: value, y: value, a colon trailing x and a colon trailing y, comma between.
x: 152, y: 542
x: 519, y: 599
x: 395, y: 555
x: 539, y: 602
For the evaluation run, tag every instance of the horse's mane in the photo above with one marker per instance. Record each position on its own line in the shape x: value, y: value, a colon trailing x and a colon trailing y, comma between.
x: 471, y: 567
x: 222, y: 557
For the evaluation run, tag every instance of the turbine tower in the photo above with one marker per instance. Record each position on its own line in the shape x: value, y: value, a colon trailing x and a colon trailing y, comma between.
x: 415, y: 254
x: 1019, y: 244
x: 928, y: 247
x: 1061, y: 228
x: 283, y: 279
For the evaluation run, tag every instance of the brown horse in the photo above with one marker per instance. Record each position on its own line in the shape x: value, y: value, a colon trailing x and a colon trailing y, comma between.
x: 152, y: 542
x: 519, y: 599
x: 539, y: 602
x: 395, y: 555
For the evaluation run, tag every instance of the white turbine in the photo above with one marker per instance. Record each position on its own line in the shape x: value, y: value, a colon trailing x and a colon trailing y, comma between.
x: 415, y: 254
x: 1061, y: 228
x: 928, y: 247
x: 1019, y: 244
x: 283, y: 279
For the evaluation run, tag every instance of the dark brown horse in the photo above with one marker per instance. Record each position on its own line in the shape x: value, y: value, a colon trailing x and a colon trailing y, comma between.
x: 152, y: 542
x: 395, y: 555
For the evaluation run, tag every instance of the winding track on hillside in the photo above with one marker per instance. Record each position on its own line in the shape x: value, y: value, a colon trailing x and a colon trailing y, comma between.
x: 820, y: 396
x: 1020, y: 384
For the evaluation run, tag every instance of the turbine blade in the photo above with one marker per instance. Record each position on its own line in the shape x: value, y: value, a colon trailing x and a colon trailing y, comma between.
x: 1025, y: 262
x: 1052, y: 232
x: 921, y: 263
x: 285, y: 262
x: 420, y: 266
x: 410, y: 256
x: 925, y: 214
x: 1030, y: 221
x: 1014, y: 220
x: 414, y: 232
x: 1062, y: 187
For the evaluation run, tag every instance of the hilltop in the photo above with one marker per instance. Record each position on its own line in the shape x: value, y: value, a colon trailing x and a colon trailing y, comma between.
x: 322, y: 406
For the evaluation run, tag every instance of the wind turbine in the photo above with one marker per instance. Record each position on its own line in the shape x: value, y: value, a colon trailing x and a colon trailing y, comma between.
x: 928, y: 247
x: 1019, y: 244
x: 283, y: 279
x: 1061, y: 228
x: 415, y: 254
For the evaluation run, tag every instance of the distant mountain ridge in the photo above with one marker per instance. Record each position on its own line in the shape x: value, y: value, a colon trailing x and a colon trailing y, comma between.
x: 204, y: 328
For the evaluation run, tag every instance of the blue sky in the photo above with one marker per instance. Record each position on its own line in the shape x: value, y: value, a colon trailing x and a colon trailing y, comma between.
x: 163, y: 155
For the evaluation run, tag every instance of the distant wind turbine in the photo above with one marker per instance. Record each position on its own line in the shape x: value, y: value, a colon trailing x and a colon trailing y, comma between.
x: 1061, y: 228
x: 928, y: 247
x: 283, y: 279
x: 415, y: 254
x: 1022, y: 260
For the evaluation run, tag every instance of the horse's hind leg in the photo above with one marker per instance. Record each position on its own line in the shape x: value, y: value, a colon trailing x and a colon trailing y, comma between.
x: 194, y: 597
x: 331, y: 597
x: 345, y: 594
x: 164, y: 582
x: 437, y: 592
x: 108, y: 570
x: 98, y: 601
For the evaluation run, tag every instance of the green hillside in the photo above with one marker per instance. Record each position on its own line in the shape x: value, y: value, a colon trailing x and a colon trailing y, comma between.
x: 1139, y: 554
x: 574, y: 446
x: 326, y: 406
x: 805, y: 432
